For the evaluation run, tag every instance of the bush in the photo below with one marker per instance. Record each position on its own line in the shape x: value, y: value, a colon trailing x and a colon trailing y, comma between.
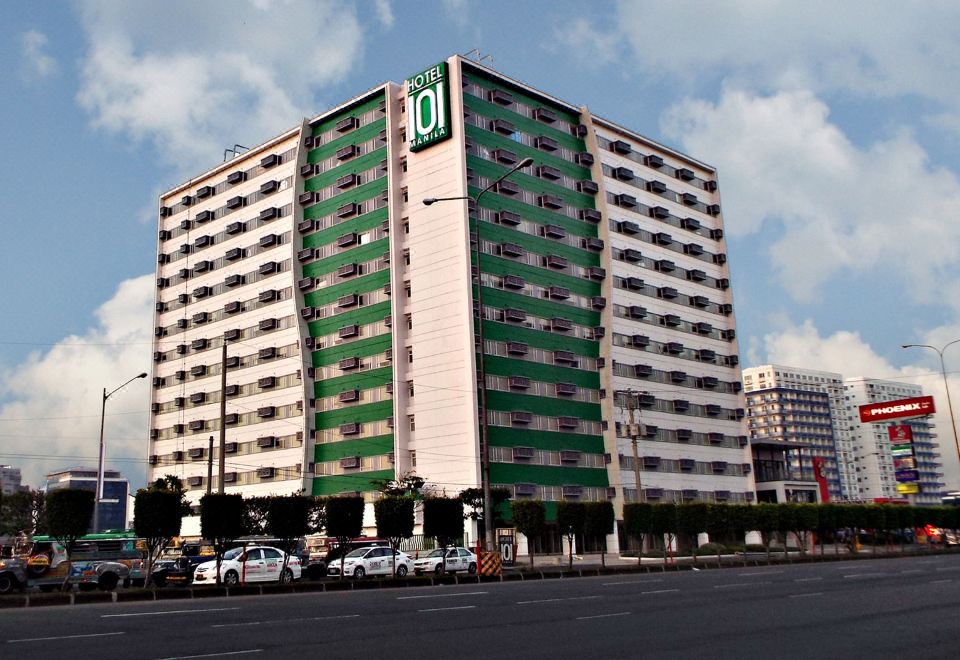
x: 711, y: 549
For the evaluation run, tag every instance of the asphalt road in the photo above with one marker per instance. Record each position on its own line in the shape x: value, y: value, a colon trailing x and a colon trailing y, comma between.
x: 907, y: 607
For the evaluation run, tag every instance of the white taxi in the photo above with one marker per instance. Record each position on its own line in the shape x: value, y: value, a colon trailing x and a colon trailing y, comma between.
x: 371, y: 561
x: 457, y: 559
x: 253, y: 564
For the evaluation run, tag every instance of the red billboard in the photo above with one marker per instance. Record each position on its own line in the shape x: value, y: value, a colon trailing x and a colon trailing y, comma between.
x: 915, y: 407
x: 900, y: 434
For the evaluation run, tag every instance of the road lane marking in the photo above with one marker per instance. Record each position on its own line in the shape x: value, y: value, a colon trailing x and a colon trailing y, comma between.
x: 949, y: 568
x: 602, y: 616
x: 275, y: 621
x: 864, y: 575
x: 912, y: 571
x: 554, y: 600
x: 462, y: 593
x: 46, y: 639
x: 611, y: 584
x: 213, y: 655
x: 739, y: 584
x: 444, y: 609
x: 659, y: 591
x: 816, y: 593
x: 940, y: 581
x: 759, y: 573
x: 809, y: 579
x: 212, y: 609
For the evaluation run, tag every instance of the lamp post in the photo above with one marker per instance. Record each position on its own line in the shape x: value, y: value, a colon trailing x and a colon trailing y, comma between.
x: 488, y: 514
x: 943, y: 372
x: 103, y: 414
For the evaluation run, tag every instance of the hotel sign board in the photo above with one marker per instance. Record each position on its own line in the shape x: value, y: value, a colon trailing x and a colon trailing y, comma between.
x: 899, y: 409
x: 428, y: 107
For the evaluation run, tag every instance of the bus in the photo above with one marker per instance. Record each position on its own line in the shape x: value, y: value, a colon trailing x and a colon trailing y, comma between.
x: 99, y: 561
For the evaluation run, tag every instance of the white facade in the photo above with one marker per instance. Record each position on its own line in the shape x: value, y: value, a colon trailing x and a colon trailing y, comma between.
x: 9, y: 479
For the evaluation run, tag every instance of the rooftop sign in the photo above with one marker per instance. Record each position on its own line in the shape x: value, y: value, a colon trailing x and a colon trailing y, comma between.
x: 428, y: 107
x: 899, y: 409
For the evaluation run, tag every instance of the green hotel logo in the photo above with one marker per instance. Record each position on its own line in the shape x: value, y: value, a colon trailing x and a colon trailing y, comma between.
x: 428, y: 107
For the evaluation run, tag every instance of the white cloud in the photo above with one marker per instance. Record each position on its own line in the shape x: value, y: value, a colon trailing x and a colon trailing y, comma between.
x: 458, y: 11
x: 37, y: 64
x: 843, y: 209
x: 384, y: 13
x: 860, y: 48
x: 50, y: 402
x: 194, y: 78
x: 847, y: 353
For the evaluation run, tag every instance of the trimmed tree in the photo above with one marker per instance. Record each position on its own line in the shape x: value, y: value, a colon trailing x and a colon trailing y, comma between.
x: 69, y: 511
x: 664, y: 524
x: 472, y: 499
x: 344, y: 520
x: 221, y: 521
x: 571, y: 519
x: 601, y: 520
x: 638, y: 522
x: 718, y: 525
x: 786, y: 523
x: 255, y: 512
x: 805, y: 520
x: 875, y: 520
x: 826, y: 523
x: 395, y: 520
x: 288, y: 518
x: 767, y: 521
x: 530, y: 519
x: 692, y: 520
x: 443, y: 520
x: 317, y: 519
x: 741, y: 519
x: 158, y: 513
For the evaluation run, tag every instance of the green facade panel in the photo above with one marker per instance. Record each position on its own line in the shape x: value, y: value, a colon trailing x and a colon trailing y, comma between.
x: 355, y: 110
x: 358, y: 255
x: 542, y: 307
x: 341, y: 483
x: 362, y: 134
x: 362, y: 284
x: 481, y: 79
x: 523, y: 124
x: 538, y: 245
x: 356, y: 195
x: 361, y: 316
x: 494, y: 141
x: 543, y: 405
x: 360, y: 348
x: 353, y: 166
x: 530, y: 183
x: 361, y: 380
x: 500, y: 366
x: 501, y: 436
x: 547, y: 475
x: 370, y: 412
x: 493, y: 330
x: 334, y: 451
x: 541, y: 276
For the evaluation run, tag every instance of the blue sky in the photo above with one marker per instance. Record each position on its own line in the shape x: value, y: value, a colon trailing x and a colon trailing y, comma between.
x: 834, y: 126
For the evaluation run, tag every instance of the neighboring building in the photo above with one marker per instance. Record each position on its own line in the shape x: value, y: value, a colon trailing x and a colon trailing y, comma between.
x: 873, y: 459
x: 10, y: 480
x: 348, y: 312
x: 795, y: 416
x: 113, y: 505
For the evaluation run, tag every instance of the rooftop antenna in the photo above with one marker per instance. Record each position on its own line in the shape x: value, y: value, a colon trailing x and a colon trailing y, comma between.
x: 235, y: 151
x: 471, y: 52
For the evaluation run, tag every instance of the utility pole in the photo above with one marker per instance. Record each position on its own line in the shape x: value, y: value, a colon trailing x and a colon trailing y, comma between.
x: 210, y: 466
x: 223, y: 415
x: 634, y: 430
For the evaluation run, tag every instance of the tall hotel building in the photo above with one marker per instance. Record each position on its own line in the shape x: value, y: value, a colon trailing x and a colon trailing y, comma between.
x: 347, y: 308
x: 875, y: 466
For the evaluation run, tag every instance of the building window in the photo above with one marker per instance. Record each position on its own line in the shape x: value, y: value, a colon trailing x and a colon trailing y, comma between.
x: 410, y: 388
x: 412, y: 422
x: 410, y: 354
x: 404, y: 195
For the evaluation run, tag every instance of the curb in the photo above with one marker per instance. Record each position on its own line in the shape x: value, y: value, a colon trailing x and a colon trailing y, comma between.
x: 520, y: 574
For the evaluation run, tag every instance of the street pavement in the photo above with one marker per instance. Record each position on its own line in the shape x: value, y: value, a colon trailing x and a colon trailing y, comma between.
x: 852, y: 609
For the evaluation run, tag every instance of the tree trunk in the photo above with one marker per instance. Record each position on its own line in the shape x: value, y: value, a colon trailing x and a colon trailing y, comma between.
x: 66, y: 578
x: 570, y: 549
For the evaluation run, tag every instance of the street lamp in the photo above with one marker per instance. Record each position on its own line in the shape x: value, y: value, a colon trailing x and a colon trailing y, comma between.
x: 103, y: 413
x: 488, y: 514
x: 943, y: 371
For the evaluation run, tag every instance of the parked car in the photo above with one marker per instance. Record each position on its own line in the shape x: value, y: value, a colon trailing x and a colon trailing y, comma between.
x: 317, y: 566
x: 99, y: 561
x: 176, y: 566
x: 457, y: 559
x: 13, y: 575
x: 252, y: 564
x: 371, y: 561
